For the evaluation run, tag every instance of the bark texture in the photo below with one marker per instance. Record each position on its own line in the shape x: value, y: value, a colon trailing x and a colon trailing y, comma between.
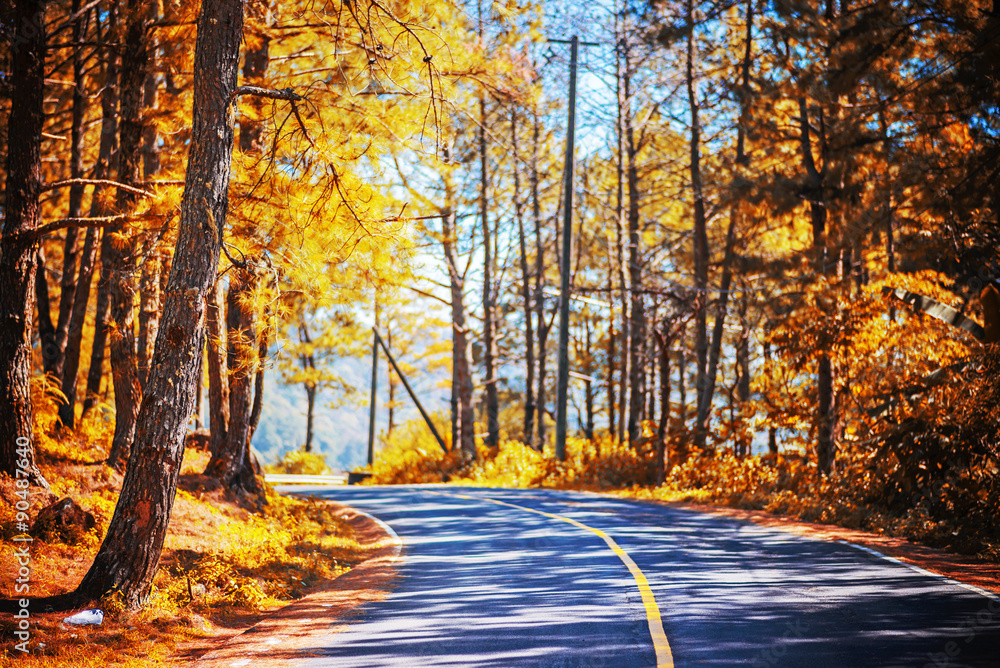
x: 218, y: 376
x: 461, y: 372
x: 18, y: 256
x: 233, y: 464
x: 120, y: 263
x: 129, y: 556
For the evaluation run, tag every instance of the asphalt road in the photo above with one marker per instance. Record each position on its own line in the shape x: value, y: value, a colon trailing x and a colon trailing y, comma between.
x: 484, y: 583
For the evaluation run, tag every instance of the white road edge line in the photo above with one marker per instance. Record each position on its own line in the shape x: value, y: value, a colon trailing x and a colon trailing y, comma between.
x: 923, y: 571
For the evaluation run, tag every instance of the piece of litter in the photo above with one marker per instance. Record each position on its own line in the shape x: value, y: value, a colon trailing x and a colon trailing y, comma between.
x: 86, y: 618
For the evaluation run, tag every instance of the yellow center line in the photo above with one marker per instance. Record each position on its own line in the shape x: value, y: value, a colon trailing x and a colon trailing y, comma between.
x: 664, y: 657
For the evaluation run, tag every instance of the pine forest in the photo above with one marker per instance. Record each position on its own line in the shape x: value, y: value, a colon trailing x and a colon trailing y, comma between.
x: 737, y: 252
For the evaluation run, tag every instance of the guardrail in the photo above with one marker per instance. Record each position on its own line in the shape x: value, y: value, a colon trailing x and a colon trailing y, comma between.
x: 291, y: 479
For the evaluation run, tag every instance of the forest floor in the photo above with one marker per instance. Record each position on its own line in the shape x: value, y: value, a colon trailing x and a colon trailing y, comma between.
x: 224, y: 566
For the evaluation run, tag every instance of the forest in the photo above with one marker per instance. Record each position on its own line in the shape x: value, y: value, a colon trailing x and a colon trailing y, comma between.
x: 739, y: 250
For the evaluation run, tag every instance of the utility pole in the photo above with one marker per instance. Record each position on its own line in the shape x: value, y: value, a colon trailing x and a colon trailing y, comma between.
x: 562, y: 389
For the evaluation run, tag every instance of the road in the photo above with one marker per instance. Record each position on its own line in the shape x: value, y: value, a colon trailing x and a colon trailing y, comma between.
x: 503, y: 578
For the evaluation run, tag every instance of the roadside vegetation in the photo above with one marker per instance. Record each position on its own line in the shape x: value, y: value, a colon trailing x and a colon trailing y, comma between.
x: 930, y: 477
x: 224, y: 564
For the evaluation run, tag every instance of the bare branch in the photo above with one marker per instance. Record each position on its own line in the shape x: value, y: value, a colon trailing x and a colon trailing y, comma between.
x: 94, y: 182
x: 101, y: 221
x: 270, y: 93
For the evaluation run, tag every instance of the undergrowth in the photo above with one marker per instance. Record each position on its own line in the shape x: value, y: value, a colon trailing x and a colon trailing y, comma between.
x: 862, y: 493
x: 222, y: 566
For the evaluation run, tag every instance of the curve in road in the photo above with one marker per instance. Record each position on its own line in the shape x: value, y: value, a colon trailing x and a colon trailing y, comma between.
x: 486, y: 584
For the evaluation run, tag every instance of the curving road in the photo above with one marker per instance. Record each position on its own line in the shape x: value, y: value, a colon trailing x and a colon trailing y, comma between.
x: 504, y: 578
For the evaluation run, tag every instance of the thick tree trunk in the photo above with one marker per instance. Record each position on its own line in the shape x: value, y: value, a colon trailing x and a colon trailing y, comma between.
x: 129, y: 556
x: 18, y: 248
x: 121, y: 261
x: 218, y: 376
x: 233, y: 463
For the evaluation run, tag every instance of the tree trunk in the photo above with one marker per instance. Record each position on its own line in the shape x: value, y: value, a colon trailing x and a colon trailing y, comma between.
x: 529, y: 330
x: 67, y: 285
x: 745, y: 443
x: 233, y: 464
x: 149, y: 310
x: 621, y: 224
x: 88, y: 255
x: 310, y: 412
x: 661, y: 431
x: 308, y: 364
x: 46, y: 328
x: 588, y: 369
x: 18, y: 254
x: 121, y: 261
x: 700, y: 234
x: 637, y: 310
x: 152, y: 265
x: 718, y: 329
x: 391, y: 404
x: 682, y: 407
x: 492, y: 400
x: 543, y: 327
x: 461, y: 373
x: 128, y: 557
x: 826, y: 396
x: 218, y: 376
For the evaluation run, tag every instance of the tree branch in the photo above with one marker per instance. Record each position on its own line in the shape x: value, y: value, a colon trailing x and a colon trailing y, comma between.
x: 101, y: 221
x: 94, y: 182
x: 270, y: 93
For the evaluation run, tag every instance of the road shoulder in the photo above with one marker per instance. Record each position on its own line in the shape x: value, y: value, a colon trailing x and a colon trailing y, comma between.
x: 290, y: 634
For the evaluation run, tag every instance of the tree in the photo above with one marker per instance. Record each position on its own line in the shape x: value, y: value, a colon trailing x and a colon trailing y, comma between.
x: 18, y: 254
x: 128, y: 557
x: 119, y: 263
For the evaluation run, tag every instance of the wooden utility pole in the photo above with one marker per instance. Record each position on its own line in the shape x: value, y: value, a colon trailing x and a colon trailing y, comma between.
x: 562, y: 389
